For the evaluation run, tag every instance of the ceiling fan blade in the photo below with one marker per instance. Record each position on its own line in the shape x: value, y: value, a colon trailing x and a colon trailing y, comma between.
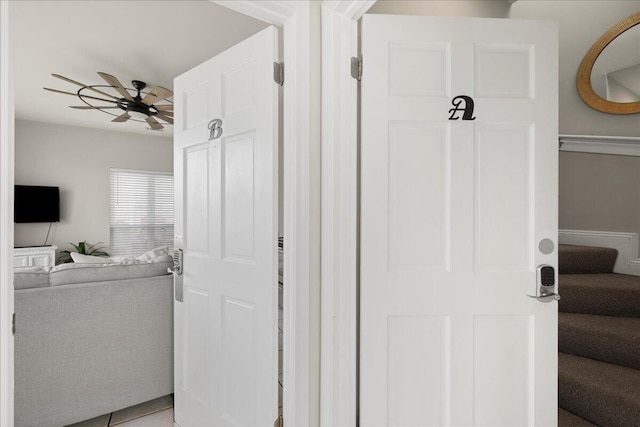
x: 80, y: 96
x: 66, y: 79
x: 157, y: 94
x: 122, y: 118
x: 164, y: 117
x: 98, y: 107
x: 155, y: 125
x: 165, y: 107
x: 115, y: 83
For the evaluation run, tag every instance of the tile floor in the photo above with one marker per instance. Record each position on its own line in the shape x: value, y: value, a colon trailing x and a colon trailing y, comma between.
x: 157, y: 419
x: 155, y: 413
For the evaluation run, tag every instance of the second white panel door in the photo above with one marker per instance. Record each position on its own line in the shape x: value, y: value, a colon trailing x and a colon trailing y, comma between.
x: 459, y: 184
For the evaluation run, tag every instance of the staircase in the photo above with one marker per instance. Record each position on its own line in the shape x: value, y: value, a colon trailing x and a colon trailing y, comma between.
x: 598, y: 340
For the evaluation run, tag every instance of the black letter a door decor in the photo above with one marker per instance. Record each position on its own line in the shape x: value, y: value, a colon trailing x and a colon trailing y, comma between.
x: 468, y: 108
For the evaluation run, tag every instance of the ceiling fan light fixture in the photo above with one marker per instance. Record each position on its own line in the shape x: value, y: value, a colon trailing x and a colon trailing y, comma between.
x: 140, y: 106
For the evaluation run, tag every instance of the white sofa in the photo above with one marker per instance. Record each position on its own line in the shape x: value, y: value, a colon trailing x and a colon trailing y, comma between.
x: 91, y: 339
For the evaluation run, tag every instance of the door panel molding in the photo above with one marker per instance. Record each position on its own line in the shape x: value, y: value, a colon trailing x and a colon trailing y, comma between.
x: 626, y: 244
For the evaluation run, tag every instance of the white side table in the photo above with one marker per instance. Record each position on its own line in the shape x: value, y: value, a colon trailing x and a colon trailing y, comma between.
x: 35, y: 256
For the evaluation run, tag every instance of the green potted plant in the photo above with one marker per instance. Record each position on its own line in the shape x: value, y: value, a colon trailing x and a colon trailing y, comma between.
x: 83, y: 248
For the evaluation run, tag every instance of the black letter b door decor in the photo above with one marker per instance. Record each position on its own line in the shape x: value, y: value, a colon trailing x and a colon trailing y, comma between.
x: 468, y: 108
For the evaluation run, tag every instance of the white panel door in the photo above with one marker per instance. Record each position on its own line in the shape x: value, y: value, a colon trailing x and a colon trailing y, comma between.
x: 452, y: 216
x: 226, y: 343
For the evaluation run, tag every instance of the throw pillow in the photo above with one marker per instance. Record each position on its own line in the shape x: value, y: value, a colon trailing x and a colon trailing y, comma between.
x: 89, y: 259
x: 155, y: 255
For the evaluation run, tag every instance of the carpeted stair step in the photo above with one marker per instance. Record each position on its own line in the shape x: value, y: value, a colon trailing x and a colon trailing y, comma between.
x: 605, y: 394
x: 606, y: 338
x: 573, y: 259
x: 567, y: 419
x: 602, y: 294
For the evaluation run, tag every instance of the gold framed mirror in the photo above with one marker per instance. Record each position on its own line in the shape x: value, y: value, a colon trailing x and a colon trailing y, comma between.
x: 584, y: 82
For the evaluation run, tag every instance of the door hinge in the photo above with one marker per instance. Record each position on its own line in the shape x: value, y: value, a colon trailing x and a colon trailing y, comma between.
x: 278, y: 72
x: 13, y: 324
x: 356, y: 67
x: 279, y: 422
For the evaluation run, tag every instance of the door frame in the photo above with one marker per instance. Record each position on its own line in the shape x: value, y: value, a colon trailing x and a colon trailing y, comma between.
x: 340, y: 209
x: 6, y: 219
x: 299, y: 22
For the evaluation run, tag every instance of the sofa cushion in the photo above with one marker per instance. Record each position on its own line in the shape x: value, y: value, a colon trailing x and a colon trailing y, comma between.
x: 66, y: 274
x: 30, y: 277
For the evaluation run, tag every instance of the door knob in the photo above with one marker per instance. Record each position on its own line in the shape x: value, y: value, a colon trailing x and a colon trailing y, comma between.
x: 178, y: 278
x: 546, y: 284
x: 547, y: 298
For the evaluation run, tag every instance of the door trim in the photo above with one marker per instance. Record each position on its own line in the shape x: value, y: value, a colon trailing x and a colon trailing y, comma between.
x: 338, y: 395
x: 6, y: 219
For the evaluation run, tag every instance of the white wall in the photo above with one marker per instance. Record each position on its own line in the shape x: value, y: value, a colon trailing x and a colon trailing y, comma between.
x: 581, y: 23
x: 78, y: 161
x: 473, y: 8
x: 599, y: 192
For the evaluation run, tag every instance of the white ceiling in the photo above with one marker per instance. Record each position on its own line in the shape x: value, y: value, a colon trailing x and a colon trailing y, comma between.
x: 152, y: 41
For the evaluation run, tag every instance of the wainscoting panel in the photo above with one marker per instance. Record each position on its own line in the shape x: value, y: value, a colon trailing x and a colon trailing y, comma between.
x: 627, y: 262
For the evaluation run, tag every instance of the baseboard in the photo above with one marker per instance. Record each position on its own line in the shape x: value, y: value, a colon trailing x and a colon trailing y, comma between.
x: 628, y: 261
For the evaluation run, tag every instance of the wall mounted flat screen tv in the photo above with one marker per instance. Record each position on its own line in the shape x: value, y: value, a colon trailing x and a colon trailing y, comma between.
x: 36, y: 204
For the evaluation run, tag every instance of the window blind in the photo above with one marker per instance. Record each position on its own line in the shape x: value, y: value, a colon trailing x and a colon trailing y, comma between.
x: 141, y: 211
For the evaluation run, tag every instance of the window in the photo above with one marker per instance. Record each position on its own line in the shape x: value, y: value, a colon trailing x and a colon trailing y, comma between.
x: 141, y: 211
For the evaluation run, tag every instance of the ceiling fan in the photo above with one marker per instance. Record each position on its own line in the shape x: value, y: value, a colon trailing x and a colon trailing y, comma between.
x: 135, y: 104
